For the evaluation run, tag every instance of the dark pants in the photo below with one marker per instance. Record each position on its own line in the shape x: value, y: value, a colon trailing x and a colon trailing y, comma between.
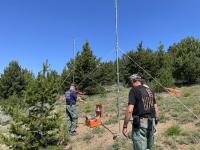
x: 72, y: 117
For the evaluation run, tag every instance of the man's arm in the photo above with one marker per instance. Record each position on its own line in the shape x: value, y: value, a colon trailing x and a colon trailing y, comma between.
x: 127, y: 118
x: 79, y: 99
x: 156, y: 111
x: 155, y: 107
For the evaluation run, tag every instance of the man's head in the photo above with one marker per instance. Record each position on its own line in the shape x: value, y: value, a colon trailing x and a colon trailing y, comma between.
x: 73, y: 87
x: 135, y: 80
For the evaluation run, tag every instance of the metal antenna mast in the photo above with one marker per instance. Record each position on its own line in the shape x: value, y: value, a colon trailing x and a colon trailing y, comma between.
x: 74, y: 48
x: 117, y: 55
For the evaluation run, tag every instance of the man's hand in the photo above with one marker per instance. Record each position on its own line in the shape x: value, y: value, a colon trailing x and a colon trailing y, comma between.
x: 156, y: 120
x: 127, y: 119
x: 80, y: 92
x: 125, y: 132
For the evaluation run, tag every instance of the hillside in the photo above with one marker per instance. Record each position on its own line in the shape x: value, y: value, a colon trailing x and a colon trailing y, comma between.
x: 177, y: 129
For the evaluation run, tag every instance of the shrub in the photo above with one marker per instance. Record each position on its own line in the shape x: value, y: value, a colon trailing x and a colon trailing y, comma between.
x: 173, y: 131
x: 186, y: 94
x: 37, y: 125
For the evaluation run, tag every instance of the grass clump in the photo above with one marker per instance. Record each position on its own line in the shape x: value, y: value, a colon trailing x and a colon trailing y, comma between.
x: 98, y: 130
x: 158, y: 98
x: 186, y: 94
x: 87, y: 137
x: 112, y: 120
x: 171, y: 143
x: 120, y: 143
x: 173, y: 131
x: 88, y: 108
x: 163, y: 118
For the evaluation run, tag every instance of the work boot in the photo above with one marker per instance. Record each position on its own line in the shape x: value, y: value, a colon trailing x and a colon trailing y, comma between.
x: 73, y: 133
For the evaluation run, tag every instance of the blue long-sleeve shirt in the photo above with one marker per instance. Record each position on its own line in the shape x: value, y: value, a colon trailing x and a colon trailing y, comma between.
x: 70, y: 97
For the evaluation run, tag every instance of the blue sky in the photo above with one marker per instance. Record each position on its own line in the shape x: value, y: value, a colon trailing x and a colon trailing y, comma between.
x: 32, y: 31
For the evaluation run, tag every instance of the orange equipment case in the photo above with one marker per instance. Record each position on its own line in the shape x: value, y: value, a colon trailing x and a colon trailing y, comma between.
x: 93, y: 122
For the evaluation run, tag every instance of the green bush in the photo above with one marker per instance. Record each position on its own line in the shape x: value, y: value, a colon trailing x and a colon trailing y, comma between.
x: 186, y: 94
x: 173, y: 131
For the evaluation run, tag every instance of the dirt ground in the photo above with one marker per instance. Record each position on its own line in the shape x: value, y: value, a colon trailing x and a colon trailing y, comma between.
x: 105, y: 140
x: 172, y: 113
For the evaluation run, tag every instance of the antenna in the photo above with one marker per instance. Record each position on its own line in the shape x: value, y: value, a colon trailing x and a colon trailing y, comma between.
x: 117, y: 55
x: 74, y: 49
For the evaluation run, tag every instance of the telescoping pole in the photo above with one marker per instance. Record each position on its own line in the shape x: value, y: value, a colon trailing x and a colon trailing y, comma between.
x: 74, y: 48
x: 117, y: 59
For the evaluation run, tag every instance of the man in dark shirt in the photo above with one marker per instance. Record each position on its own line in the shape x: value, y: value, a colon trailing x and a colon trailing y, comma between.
x: 71, y: 112
x: 142, y: 106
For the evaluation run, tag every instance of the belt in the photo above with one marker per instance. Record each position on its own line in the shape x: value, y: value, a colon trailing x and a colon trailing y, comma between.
x: 71, y: 104
x: 144, y: 120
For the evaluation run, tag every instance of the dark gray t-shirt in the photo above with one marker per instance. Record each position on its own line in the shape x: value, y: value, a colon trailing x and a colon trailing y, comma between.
x: 143, y: 100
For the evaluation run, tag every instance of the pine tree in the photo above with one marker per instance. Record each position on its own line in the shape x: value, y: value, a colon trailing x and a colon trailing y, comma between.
x: 66, y: 79
x: 143, y: 57
x: 38, y: 124
x: 186, y: 63
x: 163, y: 70
x: 13, y: 80
x: 85, y: 76
x: 105, y: 74
x: 164, y: 77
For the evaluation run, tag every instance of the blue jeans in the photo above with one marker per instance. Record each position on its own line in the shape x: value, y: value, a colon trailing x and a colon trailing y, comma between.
x: 143, y: 138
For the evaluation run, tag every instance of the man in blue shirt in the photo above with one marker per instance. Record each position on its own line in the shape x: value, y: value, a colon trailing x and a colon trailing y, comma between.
x: 71, y: 112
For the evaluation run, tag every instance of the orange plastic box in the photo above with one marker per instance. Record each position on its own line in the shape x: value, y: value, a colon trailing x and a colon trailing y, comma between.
x: 93, y: 122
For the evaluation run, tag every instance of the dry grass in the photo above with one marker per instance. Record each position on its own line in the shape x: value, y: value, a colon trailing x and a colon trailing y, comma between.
x: 173, y: 116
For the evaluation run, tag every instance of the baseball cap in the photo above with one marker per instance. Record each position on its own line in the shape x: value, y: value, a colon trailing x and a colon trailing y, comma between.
x: 135, y: 77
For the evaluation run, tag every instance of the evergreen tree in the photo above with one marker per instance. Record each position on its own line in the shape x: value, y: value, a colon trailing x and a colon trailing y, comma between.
x: 163, y: 70
x: 143, y: 57
x: 86, y: 64
x: 14, y: 80
x: 105, y: 74
x: 186, y: 62
x: 65, y: 80
x: 159, y: 58
x: 164, y: 77
x: 38, y: 124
